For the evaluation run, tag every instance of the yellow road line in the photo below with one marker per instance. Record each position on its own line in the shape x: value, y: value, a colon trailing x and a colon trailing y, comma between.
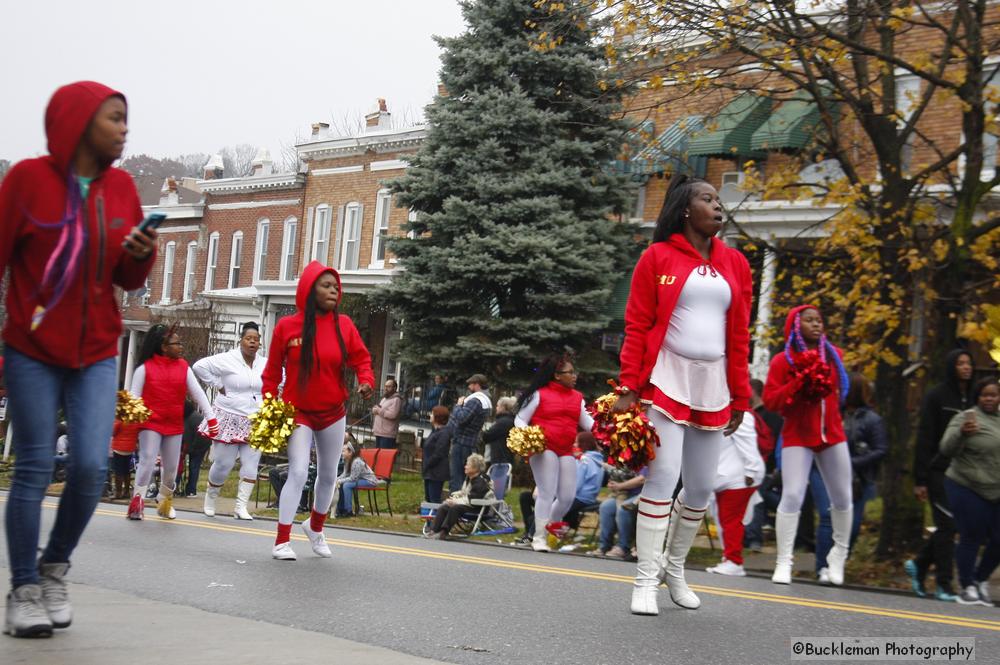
x: 966, y: 622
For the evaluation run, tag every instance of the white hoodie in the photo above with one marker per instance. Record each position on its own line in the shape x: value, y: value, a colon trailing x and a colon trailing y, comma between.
x: 243, y: 383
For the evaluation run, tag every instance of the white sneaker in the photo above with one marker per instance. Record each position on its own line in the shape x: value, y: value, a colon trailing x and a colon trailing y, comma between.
x: 984, y: 593
x: 823, y: 575
x: 969, y: 596
x: 283, y: 552
x: 26, y: 615
x: 55, y: 596
x: 318, y: 541
x: 727, y: 567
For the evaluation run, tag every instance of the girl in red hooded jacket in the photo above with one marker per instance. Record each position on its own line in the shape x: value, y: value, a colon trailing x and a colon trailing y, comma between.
x: 68, y: 235
x: 807, y: 384
x: 552, y: 403
x: 162, y: 379
x: 685, y: 354
x: 311, y: 352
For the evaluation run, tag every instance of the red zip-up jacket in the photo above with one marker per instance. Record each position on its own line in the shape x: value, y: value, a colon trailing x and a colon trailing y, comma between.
x: 322, y: 402
x: 657, y: 281
x: 83, y: 325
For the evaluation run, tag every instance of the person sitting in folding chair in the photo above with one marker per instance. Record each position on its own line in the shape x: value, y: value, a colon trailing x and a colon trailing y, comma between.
x: 357, y: 475
x: 476, y: 486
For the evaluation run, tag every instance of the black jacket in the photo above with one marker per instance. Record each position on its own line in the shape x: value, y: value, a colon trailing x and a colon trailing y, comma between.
x: 495, y: 439
x: 940, y: 405
x: 436, y: 446
x: 867, y: 441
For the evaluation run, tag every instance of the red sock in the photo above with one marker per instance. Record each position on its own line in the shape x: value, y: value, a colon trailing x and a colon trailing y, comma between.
x: 317, y: 520
x: 284, y: 533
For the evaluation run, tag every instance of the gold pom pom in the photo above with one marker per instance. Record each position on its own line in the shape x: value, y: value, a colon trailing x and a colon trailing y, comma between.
x: 627, y: 437
x: 271, y: 426
x: 131, y: 409
x: 526, y: 441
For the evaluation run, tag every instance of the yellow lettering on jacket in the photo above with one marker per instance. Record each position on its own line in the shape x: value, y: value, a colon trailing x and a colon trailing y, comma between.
x: 667, y: 279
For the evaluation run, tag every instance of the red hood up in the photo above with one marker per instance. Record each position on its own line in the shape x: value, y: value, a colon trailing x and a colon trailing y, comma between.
x: 68, y: 114
x: 790, y: 319
x: 309, y: 276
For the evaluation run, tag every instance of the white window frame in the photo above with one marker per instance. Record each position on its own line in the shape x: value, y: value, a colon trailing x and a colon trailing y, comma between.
x: 289, y: 237
x: 351, y: 243
x: 991, y: 143
x: 380, y: 233
x: 189, y: 266
x: 235, y: 259
x: 260, y: 249
x: 322, y: 219
x: 169, y: 252
x: 908, y: 91
x: 212, y: 261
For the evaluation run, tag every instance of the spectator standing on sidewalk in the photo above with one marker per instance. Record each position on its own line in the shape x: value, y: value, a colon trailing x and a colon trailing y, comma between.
x: 468, y: 417
x: 972, y: 482
x: 435, y: 456
x: 940, y: 405
x: 495, y: 437
x: 387, y: 413
x: 238, y: 376
x: 63, y: 259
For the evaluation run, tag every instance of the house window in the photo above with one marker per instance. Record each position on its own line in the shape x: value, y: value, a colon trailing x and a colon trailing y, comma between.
x: 235, y: 257
x: 990, y: 140
x: 639, y: 209
x: 144, y: 293
x: 411, y: 217
x: 321, y: 233
x: 907, y: 101
x: 288, y: 238
x: 381, y: 233
x: 260, y: 249
x: 168, y: 270
x: 213, y: 261
x: 352, y: 237
x: 192, y: 255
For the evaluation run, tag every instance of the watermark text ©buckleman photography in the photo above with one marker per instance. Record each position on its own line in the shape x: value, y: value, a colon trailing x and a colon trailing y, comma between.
x: 883, y: 648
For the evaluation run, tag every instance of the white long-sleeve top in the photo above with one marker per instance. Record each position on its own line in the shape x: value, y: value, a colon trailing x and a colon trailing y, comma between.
x: 242, y: 383
x: 739, y: 457
x: 523, y: 417
x: 193, y: 389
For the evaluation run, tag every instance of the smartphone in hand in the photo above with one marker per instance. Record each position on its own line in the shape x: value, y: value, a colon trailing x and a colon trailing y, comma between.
x: 152, y: 221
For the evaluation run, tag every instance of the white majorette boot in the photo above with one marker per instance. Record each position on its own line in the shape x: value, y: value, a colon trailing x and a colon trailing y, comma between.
x: 652, y: 521
x: 841, y: 520
x: 683, y: 528
x: 165, y: 503
x: 540, y: 541
x: 211, y: 494
x: 785, y: 527
x: 243, y: 493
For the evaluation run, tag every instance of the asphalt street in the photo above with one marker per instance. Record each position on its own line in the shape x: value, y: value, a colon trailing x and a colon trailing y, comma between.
x: 192, y: 580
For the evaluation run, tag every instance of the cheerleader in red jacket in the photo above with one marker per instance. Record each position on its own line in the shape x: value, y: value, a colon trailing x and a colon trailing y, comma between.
x: 684, y: 355
x: 807, y: 384
x: 551, y: 403
x: 162, y: 380
x: 311, y: 351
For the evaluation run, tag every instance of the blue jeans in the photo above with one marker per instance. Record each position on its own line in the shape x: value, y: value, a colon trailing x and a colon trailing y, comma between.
x: 36, y: 392
x: 824, y: 529
x: 347, y: 488
x: 868, y: 493
x: 432, y: 490
x: 458, y: 456
x: 753, y: 534
x: 978, y: 523
x: 385, y: 442
x: 616, y: 518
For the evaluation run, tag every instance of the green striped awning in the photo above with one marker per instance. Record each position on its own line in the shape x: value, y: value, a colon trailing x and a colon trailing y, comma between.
x: 730, y: 132
x: 791, y: 126
x: 669, y: 152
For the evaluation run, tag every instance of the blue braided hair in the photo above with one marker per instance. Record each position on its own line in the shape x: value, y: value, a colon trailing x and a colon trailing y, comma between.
x: 796, y: 342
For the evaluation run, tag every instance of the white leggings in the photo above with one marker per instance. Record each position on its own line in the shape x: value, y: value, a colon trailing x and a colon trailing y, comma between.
x: 329, y: 446
x: 168, y: 448
x: 834, y: 465
x: 555, y: 477
x: 684, y: 451
x: 224, y: 459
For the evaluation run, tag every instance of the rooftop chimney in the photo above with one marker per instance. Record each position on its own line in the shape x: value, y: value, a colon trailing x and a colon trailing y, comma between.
x: 214, y: 169
x: 378, y: 119
x: 168, y: 193
x: 320, y: 131
x: 262, y: 164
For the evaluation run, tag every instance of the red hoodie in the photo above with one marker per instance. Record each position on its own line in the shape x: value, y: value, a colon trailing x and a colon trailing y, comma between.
x: 82, y: 323
x: 322, y: 402
x: 812, y: 424
x: 657, y: 281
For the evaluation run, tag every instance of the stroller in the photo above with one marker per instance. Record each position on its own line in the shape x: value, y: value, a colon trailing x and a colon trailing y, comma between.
x: 485, y: 517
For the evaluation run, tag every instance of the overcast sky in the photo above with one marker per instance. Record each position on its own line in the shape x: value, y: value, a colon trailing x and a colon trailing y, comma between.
x: 203, y: 75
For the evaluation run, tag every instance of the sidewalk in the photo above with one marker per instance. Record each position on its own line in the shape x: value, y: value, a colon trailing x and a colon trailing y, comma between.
x: 105, y: 632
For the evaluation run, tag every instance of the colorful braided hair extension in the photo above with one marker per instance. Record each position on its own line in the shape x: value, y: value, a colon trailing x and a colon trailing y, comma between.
x: 796, y: 342
x: 65, y: 261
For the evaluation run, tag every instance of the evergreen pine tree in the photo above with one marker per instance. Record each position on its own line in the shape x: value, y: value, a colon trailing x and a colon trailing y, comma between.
x: 514, y: 252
